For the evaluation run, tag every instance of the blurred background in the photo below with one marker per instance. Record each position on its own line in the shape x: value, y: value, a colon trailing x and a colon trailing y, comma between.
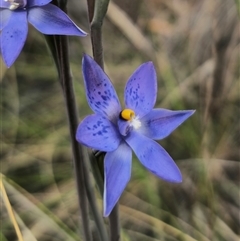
x: 194, y: 45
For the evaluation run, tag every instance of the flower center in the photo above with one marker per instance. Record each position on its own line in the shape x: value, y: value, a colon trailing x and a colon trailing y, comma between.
x: 129, y: 115
x: 15, y: 4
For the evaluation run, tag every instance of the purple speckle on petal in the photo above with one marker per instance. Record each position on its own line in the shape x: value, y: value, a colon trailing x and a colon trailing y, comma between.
x: 99, y: 128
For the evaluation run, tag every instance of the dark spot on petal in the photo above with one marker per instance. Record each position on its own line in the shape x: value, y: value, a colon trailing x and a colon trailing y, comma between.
x: 104, y: 97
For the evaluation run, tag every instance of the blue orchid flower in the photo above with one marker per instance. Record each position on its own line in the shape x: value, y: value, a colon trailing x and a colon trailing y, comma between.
x: 117, y: 132
x: 45, y: 17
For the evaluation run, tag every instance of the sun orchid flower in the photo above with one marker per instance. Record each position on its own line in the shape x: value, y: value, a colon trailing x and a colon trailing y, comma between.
x: 118, y: 131
x: 45, y: 17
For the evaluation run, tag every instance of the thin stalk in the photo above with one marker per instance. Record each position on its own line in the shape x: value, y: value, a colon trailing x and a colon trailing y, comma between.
x: 78, y: 157
x: 55, y: 48
x: 96, y: 17
x: 114, y: 224
x: 97, y: 11
x: 92, y: 200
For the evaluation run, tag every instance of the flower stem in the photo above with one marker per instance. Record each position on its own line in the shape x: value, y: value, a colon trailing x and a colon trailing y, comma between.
x: 82, y: 155
x: 97, y: 11
x: 58, y: 47
x: 114, y: 224
x: 92, y: 201
x: 78, y: 157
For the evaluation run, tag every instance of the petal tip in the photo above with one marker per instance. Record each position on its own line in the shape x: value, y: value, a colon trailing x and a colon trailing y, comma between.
x: 149, y: 66
x: 171, y: 179
x: 86, y: 57
x: 150, y: 63
x: 106, y: 213
x: 8, y: 65
x: 84, y: 34
x: 80, y: 33
x: 191, y: 112
x: 174, y: 178
x: 188, y: 113
x: 107, y: 208
x: 9, y: 62
x: 87, y: 61
x: 177, y: 177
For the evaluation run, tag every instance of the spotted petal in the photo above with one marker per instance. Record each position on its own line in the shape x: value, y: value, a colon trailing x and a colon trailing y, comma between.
x: 33, y: 3
x: 141, y: 90
x: 49, y: 19
x: 97, y: 132
x: 13, y: 36
x: 159, y: 123
x: 117, y: 173
x: 101, y: 95
x: 154, y: 157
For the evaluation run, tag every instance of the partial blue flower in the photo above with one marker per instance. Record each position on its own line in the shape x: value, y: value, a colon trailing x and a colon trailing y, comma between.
x: 118, y: 131
x: 44, y: 16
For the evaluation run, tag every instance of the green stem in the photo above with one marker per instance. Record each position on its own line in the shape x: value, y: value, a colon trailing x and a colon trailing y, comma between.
x: 114, y: 224
x: 82, y: 162
x: 78, y: 158
x: 92, y: 201
x: 58, y: 54
x: 97, y: 11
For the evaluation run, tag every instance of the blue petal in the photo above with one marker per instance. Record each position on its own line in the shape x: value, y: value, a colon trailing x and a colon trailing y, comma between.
x: 159, y: 123
x: 124, y: 127
x: 154, y: 157
x: 117, y: 173
x: 4, y: 4
x: 5, y: 16
x: 49, y: 19
x: 101, y: 95
x: 13, y: 36
x: 97, y: 132
x: 32, y: 3
x: 141, y: 89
